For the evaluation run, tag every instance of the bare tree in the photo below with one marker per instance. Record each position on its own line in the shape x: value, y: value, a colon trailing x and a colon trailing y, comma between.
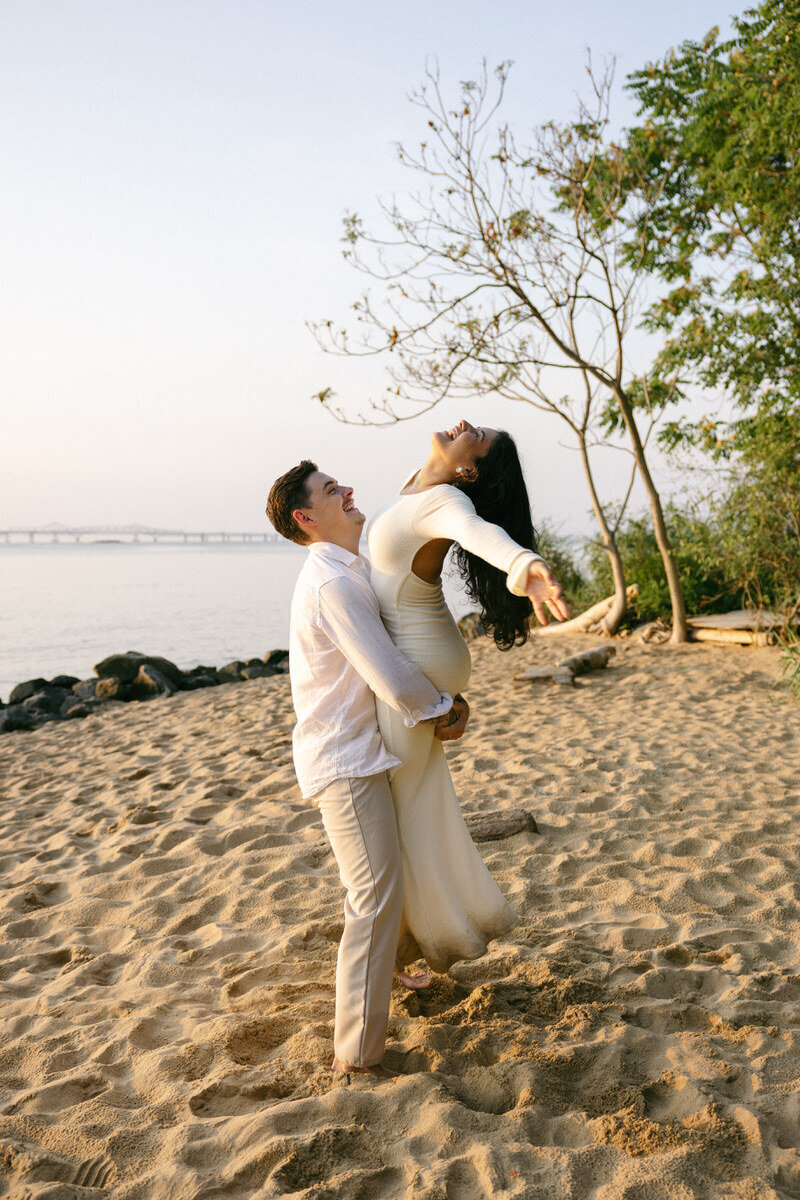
x: 512, y: 266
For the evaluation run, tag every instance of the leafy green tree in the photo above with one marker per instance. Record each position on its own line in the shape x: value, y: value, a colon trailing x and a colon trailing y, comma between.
x: 759, y: 513
x: 719, y: 127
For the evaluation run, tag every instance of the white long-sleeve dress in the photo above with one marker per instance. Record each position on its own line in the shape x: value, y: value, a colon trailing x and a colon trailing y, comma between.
x: 451, y: 905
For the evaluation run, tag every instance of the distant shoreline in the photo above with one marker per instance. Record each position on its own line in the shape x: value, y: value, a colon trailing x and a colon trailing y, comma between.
x: 176, y: 540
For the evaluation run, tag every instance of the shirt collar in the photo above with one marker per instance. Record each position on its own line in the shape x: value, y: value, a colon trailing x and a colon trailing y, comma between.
x: 336, y: 553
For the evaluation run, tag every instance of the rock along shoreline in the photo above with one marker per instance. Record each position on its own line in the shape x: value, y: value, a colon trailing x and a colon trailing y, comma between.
x: 127, y: 677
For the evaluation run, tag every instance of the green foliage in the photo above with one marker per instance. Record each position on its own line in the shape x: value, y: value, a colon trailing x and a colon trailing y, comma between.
x: 720, y: 131
x: 759, y: 514
x: 561, y: 556
x: 706, y: 582
x: 738, y: 547
x: 790, y: 661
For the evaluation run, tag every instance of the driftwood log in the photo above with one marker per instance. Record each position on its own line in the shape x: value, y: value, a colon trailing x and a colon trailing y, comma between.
x: 567, y: 670
x: 738, y: 637
x: 492, y: 826
x: 755, y: 619
x: 744, y: 627
x: 591, y: 620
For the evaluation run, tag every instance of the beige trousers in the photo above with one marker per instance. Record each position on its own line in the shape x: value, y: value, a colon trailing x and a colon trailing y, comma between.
x: 359, y: 819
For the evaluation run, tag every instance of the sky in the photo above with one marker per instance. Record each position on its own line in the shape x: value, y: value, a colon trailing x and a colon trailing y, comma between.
x: 175, y: 174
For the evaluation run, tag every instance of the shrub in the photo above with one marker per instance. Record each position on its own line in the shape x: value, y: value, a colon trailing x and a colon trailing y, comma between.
x: 790, y: 661
x: 706, y: 581
x: 562, y: 556
x: 759, y: 516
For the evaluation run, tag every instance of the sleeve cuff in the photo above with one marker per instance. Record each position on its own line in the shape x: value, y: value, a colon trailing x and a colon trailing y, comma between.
x: 518, y: 572
x: 443, y: 706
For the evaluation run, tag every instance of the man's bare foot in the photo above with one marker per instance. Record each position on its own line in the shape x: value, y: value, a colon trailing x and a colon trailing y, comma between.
x: 415, y: 981
x: 377, y: 1070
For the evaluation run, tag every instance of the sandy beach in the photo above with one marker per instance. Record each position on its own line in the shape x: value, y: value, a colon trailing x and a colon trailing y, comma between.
x: 171, y: 911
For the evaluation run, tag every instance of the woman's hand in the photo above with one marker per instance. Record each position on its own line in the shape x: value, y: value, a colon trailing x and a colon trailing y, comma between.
x: 542, y: 588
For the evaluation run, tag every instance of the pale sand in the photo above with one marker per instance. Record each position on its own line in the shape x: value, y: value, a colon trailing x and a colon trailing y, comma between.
x: 171, y: 913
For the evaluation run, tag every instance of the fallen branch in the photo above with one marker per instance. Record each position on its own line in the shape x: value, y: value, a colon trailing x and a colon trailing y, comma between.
x: 588, y: 660
x: 590, y: 620
x: 492, y: 826
x: 567, y: 670
x: 556, y: 674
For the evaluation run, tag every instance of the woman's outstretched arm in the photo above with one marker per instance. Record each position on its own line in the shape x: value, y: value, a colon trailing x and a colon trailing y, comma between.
x: 445, y: 512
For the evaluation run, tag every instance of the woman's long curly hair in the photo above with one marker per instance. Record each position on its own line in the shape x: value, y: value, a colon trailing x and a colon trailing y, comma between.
x: 500, y: 496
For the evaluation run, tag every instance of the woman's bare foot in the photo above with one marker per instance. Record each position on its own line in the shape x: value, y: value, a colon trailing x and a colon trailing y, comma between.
x: 415, y: 981
x: 378, y: 1070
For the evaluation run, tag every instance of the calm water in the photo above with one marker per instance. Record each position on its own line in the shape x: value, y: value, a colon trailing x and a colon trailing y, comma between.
x: 64, y: 607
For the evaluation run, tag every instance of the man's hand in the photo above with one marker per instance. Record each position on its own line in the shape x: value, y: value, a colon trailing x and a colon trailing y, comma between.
x: 543, y: 588
x: 456, y: 725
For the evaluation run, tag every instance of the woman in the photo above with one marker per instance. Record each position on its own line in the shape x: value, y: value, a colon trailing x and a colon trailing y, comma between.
x: 470, y: 491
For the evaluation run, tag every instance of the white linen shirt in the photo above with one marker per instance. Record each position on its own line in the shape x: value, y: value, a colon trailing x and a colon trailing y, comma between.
x: 340, y: 659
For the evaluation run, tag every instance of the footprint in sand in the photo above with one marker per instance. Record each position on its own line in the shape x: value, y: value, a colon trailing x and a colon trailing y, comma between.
x: 464, y: 1182
x: 201, y: 816
x: 487, y: 765
x: 301, y: 820
x: 310, y: 1159
x: 255, y: 1041
x: 53, y: 959
x: 55, y: 1097
x: 672, y: 1098
x: 103, y: 971
x: 151, y: 1033
x: 220, y: 1099
x: 192, y: 920
x: 45, y: 892
x: 142, y: 773
x: 223, y: 791
x: 679, y: 956
x: 249, y: 979
x: 23, y: 929
x: 31, y: 1163
x: 312, y: 935
x: 66, y: 1060
x: 695, y: 848
x: 274, y: 788
x: 143, y: 815
x: 484, y: 1093
x: 94, y: 1173
x: 227, y: 1099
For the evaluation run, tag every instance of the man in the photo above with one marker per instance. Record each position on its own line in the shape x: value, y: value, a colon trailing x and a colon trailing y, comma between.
x: 340, y: 658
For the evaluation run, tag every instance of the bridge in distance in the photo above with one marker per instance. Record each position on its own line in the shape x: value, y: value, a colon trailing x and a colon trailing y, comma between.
x: 130, y: 534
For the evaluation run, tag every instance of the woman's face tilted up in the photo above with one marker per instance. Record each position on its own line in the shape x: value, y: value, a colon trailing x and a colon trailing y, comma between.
x: 460, y: 447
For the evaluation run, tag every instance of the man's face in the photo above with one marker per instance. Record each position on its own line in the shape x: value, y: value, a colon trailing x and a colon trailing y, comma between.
x: 331, y: 510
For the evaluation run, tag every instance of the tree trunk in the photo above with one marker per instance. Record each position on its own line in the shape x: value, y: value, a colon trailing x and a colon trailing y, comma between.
x: 679, y: 627
x: 611, y: 622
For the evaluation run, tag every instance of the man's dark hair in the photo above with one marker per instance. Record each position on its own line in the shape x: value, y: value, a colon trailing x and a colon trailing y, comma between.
x: 286, y: 494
